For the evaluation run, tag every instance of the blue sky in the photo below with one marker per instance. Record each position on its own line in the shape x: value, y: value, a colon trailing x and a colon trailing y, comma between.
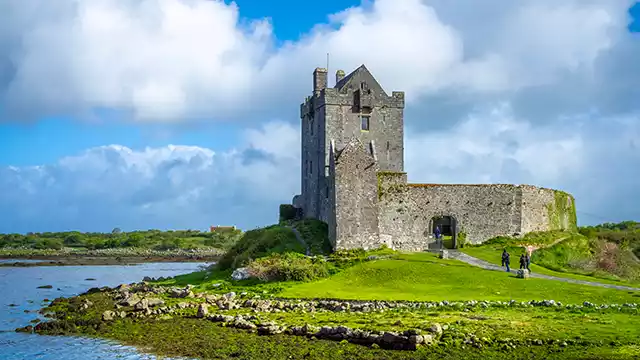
x: 541, y: 82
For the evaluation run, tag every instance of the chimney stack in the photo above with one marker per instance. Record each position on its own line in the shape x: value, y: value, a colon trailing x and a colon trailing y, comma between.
x: 319, y: 80
x: 339, y: 75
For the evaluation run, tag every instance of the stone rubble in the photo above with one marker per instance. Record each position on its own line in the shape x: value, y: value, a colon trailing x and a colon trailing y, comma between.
x: 143, y: 301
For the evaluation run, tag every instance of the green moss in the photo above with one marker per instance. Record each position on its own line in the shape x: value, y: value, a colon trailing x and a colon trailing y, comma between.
x: 562, y: 211
x: 382, y: 190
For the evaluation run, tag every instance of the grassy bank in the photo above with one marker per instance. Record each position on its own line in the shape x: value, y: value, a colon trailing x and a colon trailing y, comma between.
x: 358, y: 304
x: 587, y: 257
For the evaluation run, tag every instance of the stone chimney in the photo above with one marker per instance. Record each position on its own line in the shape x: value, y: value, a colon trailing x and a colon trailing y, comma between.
x: 339, y: 75
x: 319, y: 80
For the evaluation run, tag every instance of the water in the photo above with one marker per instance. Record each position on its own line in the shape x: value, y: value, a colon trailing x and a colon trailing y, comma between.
x: 20, y: 286
x: 13, y: 261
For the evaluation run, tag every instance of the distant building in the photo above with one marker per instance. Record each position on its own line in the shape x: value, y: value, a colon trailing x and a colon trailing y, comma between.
x: 352, y: 178
x: 219, y: 228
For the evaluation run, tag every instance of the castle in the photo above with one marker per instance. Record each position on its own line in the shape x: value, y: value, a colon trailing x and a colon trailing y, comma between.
x: 353, y: 178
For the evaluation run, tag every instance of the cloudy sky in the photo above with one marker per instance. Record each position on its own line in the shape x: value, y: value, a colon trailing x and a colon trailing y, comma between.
x: 184, y: 113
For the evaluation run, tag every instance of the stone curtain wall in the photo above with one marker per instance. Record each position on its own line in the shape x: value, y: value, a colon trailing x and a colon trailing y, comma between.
x: 481, y: 211
x: 547, y: 209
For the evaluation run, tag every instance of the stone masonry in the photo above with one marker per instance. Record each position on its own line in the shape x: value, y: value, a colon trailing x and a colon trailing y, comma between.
x: 352, y: 178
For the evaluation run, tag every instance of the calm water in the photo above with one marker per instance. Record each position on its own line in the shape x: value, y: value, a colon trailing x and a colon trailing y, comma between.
x: 13, y: 261
x: 19, y: 286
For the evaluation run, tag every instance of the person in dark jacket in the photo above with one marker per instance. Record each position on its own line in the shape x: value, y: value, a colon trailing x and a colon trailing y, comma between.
x: 506, y: 259
x: 527, y: 261
x: 523, y: 262
x: 437, y: 233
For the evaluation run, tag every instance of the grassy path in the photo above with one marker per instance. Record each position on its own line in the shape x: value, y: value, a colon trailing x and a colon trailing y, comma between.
x: 489, y: 266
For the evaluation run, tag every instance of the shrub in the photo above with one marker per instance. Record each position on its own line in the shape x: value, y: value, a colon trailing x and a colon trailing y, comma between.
x: 55, y: 244
x: 462, y: 239
x: 259, y: 243
x: 289, y: 267
x: 287, y: 212
x: 315, y: 234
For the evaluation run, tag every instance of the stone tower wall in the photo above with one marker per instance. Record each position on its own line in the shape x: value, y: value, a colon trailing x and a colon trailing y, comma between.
x: 385, y: 131
x: 356, y: 194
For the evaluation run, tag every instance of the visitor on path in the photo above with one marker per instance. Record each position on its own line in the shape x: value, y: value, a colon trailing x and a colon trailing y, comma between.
x: 523, y: 262
x: 438, y: 234
x: 506, y: 259
x: 527, y: 261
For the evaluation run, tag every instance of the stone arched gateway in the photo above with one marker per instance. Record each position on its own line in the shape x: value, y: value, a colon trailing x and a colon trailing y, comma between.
x: 448, y: 228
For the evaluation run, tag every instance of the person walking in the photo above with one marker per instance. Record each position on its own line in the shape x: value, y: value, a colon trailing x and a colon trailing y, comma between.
x: 437, y: 233
x: 527, y: 261
x: 523, y: 262
x: 506, y: 259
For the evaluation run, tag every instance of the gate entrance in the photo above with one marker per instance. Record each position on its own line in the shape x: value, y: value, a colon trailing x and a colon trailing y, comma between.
x: 448, y: 231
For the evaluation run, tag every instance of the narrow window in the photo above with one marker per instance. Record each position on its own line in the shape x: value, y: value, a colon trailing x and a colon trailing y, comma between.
x: 388, y: 152
x: 364, y: 122
x: 326, y: 170
x: 327, y: 192
x: 311, y: 126
x: 310, y: 166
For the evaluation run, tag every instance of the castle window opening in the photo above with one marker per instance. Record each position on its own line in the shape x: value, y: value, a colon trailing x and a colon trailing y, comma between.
x: 311, y: 126
x: 388, y: 152
x: 364, y: 122
x: 310, y: 166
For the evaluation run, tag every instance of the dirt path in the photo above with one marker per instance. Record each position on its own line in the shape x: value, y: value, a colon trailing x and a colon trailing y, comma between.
x: 532, y: 248
x: 300, y: 239
x: 455, y: 254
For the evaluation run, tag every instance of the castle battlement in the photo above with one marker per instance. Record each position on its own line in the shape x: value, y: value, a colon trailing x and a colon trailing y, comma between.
x: 352, y: 178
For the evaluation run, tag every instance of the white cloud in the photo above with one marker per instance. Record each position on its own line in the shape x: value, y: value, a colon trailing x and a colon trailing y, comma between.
x: 533, y: 91
x: 175, y: 59
x: 172, y: 186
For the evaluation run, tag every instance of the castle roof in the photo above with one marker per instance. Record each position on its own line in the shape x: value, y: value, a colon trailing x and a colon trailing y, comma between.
x: 358, y: 76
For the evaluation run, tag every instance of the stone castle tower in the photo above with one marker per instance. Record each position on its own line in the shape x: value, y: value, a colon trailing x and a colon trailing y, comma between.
x: 352, y: 177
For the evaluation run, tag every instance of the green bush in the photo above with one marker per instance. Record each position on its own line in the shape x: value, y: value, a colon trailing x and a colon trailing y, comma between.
x: 289, y: 267
x: 259, y: 243
x: 462, y: 239
x: 315, y: 234
x: 287, y: 212
x: 54, y: 244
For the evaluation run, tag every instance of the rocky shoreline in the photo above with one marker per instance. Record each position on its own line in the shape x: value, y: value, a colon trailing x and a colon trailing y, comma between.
x: 104, y: 257
x: 144, y: 301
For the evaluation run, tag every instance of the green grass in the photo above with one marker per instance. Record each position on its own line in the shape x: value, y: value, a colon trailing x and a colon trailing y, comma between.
x: 424, y: 277
x: 194, y: 338
x: 547, y: 261
x: 197, y: 338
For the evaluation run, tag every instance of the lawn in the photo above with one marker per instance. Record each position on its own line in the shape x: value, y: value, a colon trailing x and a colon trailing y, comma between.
x: 492, y: 254
x: 424, y: 277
